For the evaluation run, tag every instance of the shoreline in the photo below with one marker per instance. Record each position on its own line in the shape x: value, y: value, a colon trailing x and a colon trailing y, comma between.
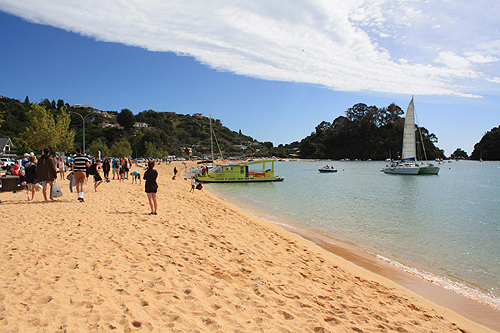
x: 473, y: 310
x: 201, y: 264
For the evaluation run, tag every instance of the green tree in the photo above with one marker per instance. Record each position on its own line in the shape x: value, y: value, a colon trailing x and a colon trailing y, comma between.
x: 21, y: 145
x: 459, y: 154
x: 152, y: 151
x: 98, y: 146
x: 45, y: 132
x: 121, y: 148
x: 66, y: 138
x: 126, y: 119
x: 488, y: 148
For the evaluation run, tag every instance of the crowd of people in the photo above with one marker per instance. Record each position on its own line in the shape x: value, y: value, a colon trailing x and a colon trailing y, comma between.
x: 41, y: 174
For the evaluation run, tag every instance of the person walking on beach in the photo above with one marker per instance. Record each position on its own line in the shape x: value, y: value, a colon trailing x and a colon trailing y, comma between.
x: 46, y: 172
x: 175, y: 173
x: 151, y: 186
x: 97, y: 175
x: 30, y: 172
x: 62, y: 166
x: 80, y: 165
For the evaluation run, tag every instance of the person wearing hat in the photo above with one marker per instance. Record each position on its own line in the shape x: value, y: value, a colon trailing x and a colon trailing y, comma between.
x: 25, y: 159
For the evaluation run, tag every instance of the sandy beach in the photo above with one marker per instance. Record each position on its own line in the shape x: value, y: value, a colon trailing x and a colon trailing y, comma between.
x: 200, y: 265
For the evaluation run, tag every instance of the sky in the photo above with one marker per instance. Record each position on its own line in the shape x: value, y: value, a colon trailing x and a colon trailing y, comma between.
x: 272, y: 69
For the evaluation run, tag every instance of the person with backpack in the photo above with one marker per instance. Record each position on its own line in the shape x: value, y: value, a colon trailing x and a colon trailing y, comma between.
x: 116, y: 168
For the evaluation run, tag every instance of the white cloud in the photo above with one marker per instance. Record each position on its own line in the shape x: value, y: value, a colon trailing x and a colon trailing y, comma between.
x: 454, y: 61
x: 494, y: 80
x: 480, y: 58
x: 332, y: 43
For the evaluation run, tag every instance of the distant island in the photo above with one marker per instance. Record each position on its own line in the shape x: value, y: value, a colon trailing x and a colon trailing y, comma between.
x: 365, y: 132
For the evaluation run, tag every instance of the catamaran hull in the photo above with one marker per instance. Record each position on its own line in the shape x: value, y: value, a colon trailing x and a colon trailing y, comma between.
x: 428, y: 170
x: 401, y: 171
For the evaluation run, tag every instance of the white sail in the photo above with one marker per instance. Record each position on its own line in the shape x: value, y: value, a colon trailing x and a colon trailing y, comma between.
x: 409, y: 150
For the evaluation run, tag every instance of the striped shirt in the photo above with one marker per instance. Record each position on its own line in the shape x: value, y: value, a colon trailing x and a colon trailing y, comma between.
x: 80, y: 163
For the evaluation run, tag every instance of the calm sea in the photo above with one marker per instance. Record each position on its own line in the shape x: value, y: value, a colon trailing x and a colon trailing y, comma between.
x: 444, y: 228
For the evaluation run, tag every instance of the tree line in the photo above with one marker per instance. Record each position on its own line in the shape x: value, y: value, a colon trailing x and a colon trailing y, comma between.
x: 34, y: 126
x: 366, y: 132
x: 488, y: 148
x: 363, y: 132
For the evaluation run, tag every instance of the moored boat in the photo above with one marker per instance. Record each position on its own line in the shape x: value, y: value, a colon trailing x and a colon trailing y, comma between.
x: 408, y: 164
x: 241, y: 172
x: 401, y: 168
x: 327, y: 169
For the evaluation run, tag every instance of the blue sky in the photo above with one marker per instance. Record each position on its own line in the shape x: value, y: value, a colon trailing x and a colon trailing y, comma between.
x: 275, y: 71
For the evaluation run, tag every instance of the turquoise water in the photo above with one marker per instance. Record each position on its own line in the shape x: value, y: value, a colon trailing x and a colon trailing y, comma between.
x: 444, y: 228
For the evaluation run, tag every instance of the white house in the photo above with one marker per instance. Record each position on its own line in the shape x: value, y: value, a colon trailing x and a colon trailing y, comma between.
x: 5, y: 148
x: 141, y: 125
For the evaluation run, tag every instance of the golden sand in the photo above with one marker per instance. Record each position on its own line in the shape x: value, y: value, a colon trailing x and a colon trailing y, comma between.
x: 200, y: 265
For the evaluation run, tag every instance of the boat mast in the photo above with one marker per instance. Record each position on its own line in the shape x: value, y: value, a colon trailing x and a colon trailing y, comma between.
x: 421, y: 138
x: 211, y: 140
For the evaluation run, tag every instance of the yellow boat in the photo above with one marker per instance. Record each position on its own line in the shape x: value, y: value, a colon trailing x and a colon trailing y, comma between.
x: 239, y: 173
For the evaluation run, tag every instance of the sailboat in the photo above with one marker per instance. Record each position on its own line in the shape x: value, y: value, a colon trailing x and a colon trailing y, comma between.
x: 408, y: 164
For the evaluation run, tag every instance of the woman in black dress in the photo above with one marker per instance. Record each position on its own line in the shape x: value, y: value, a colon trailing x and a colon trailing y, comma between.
x: 106, y: 167
x: 97, y: 175
x: 151, y: 186
x: 30, y: 172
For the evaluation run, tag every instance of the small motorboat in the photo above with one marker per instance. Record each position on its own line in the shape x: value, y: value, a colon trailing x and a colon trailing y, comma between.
x: 326, y: 169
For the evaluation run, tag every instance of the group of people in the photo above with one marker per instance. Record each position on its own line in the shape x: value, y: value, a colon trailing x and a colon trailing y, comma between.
x: 43, y: 172
x: 121, y: 168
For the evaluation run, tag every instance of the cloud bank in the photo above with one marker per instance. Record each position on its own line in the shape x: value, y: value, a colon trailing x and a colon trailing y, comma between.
x: 402, y: 47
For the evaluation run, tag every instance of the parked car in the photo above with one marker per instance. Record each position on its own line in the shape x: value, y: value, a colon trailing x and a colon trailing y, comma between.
x: 5, y: 162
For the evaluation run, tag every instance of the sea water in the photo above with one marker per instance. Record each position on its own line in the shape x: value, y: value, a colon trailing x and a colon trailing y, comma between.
x: 444, y: 228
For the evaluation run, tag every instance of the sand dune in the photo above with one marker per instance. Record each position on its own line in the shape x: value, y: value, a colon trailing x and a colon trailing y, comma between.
x: 200, y: 265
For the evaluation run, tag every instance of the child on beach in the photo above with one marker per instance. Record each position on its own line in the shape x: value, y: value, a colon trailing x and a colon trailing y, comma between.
x: 135, y: 176
x: 193, y: 184
x: 151, y: 186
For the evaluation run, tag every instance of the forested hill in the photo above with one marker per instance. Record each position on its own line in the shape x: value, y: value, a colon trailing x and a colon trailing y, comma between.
x: 366, y: 132
x: 488, y: 148
x: 168, y: 133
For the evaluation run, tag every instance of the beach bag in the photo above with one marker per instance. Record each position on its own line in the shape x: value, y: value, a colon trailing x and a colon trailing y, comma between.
x: 38, y: 187
x: 199, y: 186
x: 56, y: 190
